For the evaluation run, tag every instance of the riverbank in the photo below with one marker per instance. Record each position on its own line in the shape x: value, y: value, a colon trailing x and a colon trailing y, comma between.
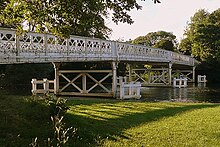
x: 105, y: 122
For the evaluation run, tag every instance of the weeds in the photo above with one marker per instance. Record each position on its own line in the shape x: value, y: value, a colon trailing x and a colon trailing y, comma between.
x: 58, y: 108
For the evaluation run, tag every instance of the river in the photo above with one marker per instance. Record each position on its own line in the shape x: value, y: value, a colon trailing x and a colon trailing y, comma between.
x: 193, y: 92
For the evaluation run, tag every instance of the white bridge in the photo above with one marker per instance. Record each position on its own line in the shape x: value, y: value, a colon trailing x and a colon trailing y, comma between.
x: 40, y: 48
x: 33, y: 47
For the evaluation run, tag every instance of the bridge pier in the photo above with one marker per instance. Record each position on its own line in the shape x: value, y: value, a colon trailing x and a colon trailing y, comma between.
x: 194, y: 74
x: 185, y: 73
x: 170, y: 73
x: 114, y: 79
x: 85, y: 82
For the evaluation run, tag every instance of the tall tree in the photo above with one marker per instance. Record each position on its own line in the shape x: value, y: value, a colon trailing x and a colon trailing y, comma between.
x: 202, y: 38
x: 65, y: 17
x: 186, y: 44
x: 159, y: 39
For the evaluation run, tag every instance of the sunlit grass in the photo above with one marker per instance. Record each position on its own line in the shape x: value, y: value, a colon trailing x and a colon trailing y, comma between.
x: 102, y: 122
x: 115, y: 123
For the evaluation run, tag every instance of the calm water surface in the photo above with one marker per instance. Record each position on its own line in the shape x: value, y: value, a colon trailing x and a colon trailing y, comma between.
x: 194, y: 92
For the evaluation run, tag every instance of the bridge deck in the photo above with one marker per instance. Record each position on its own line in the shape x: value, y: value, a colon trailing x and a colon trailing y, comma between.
x: 43, y: 48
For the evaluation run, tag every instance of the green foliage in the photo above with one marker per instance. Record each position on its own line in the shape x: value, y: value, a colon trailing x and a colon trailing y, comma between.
x: 65, y: 17
x: 23, y: 118
x: 159, y: 39
x: 203, y: 40
x: 58, y: 108
x: 21, y: 74
x: 165, y: 44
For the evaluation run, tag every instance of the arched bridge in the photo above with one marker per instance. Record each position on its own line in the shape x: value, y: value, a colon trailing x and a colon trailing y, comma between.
x: 33, y: 47
x: 40, y: 48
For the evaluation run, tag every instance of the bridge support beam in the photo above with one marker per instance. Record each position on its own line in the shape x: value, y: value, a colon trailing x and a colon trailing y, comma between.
x: 56, y: 80
x: 114, y: 79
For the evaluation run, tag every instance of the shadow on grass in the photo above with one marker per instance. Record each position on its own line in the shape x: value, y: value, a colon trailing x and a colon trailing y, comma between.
x: 22, y: 119
x: 90, y: 130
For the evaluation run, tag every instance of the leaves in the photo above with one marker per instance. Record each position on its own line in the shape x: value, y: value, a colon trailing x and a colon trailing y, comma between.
x: 202, y: 36
x: 65, y: 17
x: 159, y: 39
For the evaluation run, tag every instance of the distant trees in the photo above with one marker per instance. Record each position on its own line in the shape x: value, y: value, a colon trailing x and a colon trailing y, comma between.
x: 159, y: 39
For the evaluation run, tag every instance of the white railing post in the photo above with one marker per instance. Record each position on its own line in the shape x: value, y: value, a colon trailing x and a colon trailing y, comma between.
x: 46, y: 86
x: 202, y: 79
x: 34, y: 86
x: 114, y: 49
x: 180, y: 83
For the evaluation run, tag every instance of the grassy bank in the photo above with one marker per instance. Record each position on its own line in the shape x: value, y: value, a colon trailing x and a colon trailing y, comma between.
x: 113, y: 123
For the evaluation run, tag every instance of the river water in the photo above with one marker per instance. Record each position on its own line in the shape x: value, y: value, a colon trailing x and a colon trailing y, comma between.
x: 193, y: 93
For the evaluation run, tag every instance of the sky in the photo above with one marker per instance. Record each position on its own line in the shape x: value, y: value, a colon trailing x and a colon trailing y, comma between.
x: 169, y: 15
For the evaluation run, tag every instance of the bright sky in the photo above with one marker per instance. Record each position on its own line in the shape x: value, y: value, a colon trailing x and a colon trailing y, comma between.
x: 169, y: 15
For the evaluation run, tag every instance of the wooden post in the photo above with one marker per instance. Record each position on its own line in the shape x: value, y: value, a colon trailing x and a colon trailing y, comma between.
x: 114, y: 79
x: 194, y: 74
x: 84, y: 83
x: 129, y: 73
x: 56, y: 80
x: 170, y: 73
x: 34, y: 86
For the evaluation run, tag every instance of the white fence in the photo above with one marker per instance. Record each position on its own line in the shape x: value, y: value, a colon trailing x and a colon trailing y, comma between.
x: 41, y: 86
x: 180, y: 83
x: 129, y: 89
x: 202, y: 79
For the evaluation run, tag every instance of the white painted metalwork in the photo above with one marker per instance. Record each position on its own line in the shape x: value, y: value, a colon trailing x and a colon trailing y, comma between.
x: 180, y: 83
x: 44, y: 48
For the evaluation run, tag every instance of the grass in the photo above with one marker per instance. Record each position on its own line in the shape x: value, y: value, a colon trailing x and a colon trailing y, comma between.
x: 113, y: 123
x: 22, y: 119
x: 118, y: 123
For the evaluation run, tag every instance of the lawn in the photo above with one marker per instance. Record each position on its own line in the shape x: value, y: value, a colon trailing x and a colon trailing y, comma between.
x: 105, y: 122
x: 120, y: 123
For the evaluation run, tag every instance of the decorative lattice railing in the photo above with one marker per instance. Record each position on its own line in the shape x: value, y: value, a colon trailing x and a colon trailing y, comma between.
x: 36, y: 48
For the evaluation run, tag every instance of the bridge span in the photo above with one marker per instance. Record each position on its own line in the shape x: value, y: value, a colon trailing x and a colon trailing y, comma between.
x: 31, y: 47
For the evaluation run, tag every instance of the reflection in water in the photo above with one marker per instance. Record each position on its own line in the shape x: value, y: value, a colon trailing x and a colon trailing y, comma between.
x: 194, y: 92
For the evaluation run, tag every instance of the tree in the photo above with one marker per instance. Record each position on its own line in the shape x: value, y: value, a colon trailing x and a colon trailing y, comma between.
x: 202, y: 40
x: 186, y: 44
x: 159, y: 39
x: 65, y: 17
x: 202, y: 36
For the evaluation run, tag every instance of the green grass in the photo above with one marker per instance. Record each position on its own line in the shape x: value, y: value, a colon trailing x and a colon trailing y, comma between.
x: 113, y: 123
x: 22, y: 119
x: 118, y: 123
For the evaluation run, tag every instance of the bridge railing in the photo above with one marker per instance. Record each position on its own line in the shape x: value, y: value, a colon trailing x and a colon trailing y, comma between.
x: 140, y: 52
x: 36, y: 47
